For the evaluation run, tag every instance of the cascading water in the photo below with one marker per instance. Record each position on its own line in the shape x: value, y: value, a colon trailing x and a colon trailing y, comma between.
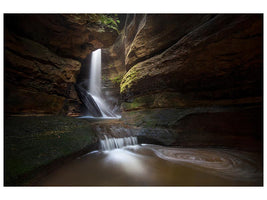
x: 93, y: 99
x: 95, y: 74
x: 116, y: 143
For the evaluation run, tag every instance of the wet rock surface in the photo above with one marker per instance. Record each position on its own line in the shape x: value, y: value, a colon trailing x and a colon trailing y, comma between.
x: 235, y: 127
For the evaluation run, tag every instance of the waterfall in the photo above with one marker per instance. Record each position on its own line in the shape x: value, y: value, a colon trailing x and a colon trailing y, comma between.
x: 95, y: 74
x: 116, y: 143
x: 93, y: 98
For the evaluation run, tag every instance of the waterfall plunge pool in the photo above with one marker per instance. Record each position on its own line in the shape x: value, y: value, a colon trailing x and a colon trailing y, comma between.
x: 154, y: 165
x: 91, y: 117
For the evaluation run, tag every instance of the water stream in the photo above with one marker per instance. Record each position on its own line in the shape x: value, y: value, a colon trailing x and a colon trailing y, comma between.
x: 117, y: 143
x: 154, y: 165
x: 124, y: 162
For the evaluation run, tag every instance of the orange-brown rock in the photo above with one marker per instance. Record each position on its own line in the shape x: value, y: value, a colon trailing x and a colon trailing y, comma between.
x: 43, y: 55
x: 204, y: 88
x: 220, y: 59
x: 150, y: 34
x: 68, y: 35
x: 37, y: 80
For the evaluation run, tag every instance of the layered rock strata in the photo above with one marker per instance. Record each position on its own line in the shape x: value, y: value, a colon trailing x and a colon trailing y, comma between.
x: 195, y: 65
x: 43, y: 55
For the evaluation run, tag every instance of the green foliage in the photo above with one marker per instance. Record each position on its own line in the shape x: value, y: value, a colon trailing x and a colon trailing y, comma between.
x: 106, y: 20
x: 104, y: 78
x: 103, y: 21
x: 117, y: 80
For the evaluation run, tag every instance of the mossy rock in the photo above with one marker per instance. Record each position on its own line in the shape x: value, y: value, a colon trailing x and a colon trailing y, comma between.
x: 158, y: 100
x: 32, y: 142
x: 129, y: 78
x: 117, y: 80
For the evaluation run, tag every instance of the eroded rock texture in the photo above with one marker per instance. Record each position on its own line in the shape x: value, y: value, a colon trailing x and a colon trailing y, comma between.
x: 224, y: 53
x: 149, y: 35
x: 70, y: 35
x: 37, y: 80
x: 170, y: 72
x: 113, y: 70
x: 43, y: 55
x: 200, y: 63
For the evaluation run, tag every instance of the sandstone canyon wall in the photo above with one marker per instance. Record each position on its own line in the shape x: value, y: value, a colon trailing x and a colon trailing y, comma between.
x: 180, y: 79
x: 199, y: 75
x: 43, y: 55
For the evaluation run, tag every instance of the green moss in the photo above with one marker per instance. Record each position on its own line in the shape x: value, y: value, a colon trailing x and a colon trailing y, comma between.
x: 129, y: 79
x: 158, y: 100
x: 31, y: 142
x: 131, y: 106
x: 139, y: 102
x: 153, y: 118
x: 104, y: 78
x: 117, y: 80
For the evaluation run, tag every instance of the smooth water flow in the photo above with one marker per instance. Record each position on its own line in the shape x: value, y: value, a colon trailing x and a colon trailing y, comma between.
x: 116, y: 143
x: 95, y: 86
x: 158, y: 165
x: 95, y: 74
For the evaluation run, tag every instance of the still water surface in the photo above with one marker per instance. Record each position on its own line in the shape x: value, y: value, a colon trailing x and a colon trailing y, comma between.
x: 152, y: 165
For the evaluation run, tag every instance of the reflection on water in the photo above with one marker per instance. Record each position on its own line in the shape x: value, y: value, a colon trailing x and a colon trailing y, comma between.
x: 158, y: 165
x: 128, y: 162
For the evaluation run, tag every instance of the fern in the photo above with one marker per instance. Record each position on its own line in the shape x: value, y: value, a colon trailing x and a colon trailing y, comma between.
x: 105, y: 20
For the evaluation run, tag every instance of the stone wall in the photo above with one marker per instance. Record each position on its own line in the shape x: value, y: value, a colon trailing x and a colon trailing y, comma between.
x: 43, y: 55
x: 183, y: 69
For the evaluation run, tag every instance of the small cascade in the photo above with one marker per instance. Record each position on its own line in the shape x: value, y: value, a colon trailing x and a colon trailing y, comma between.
x: 116, y: 143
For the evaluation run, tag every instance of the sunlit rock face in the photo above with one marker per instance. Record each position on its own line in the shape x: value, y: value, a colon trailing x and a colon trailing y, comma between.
x: 43, y: 55
x: 192, y: 71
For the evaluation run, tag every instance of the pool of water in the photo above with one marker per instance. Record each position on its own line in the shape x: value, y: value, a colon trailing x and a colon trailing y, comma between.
x: 154, y: 165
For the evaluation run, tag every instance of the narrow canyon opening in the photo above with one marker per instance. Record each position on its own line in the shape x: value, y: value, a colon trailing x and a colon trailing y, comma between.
x: 133, y: 99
